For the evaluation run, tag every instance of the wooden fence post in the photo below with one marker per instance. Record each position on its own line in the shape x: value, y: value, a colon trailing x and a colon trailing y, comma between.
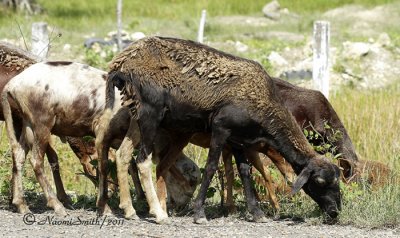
x: 321, y: 56
x: 40, y: 39
x: 119, y: 24
x: 200, y: 35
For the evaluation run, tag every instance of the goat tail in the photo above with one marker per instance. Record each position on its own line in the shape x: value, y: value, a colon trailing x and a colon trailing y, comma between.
x: 105, y: 118
x: 110, y: 92
x: 8, y: 119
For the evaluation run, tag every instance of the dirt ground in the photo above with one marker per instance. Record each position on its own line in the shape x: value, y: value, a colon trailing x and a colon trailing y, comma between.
x: 82, y: 223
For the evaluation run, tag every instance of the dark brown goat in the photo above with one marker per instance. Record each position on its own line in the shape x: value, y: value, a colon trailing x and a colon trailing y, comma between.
x: 184, y: 87
x: 311, y: 107
x: 308, y: 107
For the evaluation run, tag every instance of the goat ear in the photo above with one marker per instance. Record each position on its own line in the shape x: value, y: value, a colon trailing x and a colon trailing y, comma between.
x: 301, y: 180
x: 347, y: 167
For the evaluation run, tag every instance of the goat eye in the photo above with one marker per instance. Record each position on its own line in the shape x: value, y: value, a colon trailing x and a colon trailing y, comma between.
x: 320, y: 181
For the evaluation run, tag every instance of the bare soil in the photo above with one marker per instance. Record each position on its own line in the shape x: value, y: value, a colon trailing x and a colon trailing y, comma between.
x: 85, y: 223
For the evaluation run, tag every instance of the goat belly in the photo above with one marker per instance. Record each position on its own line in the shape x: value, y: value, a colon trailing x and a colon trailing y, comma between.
x: 185, y: 119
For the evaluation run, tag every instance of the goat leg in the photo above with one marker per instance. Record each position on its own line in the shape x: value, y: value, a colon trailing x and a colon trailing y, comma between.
x: 167, y: 163
x: 133, y: 171
x: 218, y: 139
x: 229, y: 174
x: 55, y: 169
x: 148, y: 130
x: 244, y: 172
x: 255, y: 160
x: 124, y: 157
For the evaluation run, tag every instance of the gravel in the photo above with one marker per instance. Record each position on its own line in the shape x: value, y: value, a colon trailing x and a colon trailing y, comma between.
x: 82, y: 223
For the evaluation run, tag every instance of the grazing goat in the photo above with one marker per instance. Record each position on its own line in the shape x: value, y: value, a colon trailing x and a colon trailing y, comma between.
x: 61, y: 98
x: 12, y: 62
x: 308, y: 107
x: 65, y: 99
x: 311, y: 107
x: 184, y: 87
x: 75, y: 97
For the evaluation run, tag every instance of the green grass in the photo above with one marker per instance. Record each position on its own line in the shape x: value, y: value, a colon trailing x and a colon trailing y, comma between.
x: 78, y: 19
x: 378, y: 208
x: 372, y: 120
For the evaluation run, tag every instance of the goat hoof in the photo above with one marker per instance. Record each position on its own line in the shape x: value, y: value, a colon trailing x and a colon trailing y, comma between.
x: 66, y: 201
x: 107, y: 211
x: 131, y: 217
x: 23, y: 209
x: 261, y: 219
x: 276, y: 217
x: 68, y: 206
x: 231, y: 208
x: 60, y: 212
x: 201, y: 220
x: 163, y: 221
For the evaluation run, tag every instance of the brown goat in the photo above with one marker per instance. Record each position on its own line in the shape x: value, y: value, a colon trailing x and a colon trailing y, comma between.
x: 12, y: 62
x: 69, y: 110
x: 184, y: 87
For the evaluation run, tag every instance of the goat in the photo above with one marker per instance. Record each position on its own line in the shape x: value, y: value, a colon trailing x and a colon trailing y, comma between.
x: 75, y: 96
x: 72, y: 93
x: 12, y: 62
x: 184, y: 87
x: 308, y: 107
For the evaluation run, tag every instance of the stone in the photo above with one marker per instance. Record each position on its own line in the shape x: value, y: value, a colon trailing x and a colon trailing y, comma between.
x: 272, y: 10
x: 355, y: 50
x: 240, y: 47
x: 384, y: 40
x: 276, y: 59
x: 137, y: 36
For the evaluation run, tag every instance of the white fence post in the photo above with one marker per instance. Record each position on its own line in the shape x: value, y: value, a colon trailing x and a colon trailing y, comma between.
x: 40, y: 39
x: 200, y: 35
x: 321, y: 56
x: 119, y: 24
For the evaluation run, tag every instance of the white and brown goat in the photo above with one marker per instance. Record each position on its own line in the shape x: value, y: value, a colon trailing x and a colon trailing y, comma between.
x: 60, y: 98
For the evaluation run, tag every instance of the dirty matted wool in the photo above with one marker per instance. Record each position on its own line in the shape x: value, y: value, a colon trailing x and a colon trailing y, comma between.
x: 205, y: 78
x: 14, y: 58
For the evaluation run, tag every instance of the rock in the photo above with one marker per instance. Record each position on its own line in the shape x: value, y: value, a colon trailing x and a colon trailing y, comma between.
x: 90, y: 42
x: 384, y: 40
x: 137, y: 36
x: 67, y: 48
x: 297, y: 74
x: 271, y: 10
x: 112, y: 35
x: 276, y: 59
x: 355, y: 50
x: 240, y: 47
